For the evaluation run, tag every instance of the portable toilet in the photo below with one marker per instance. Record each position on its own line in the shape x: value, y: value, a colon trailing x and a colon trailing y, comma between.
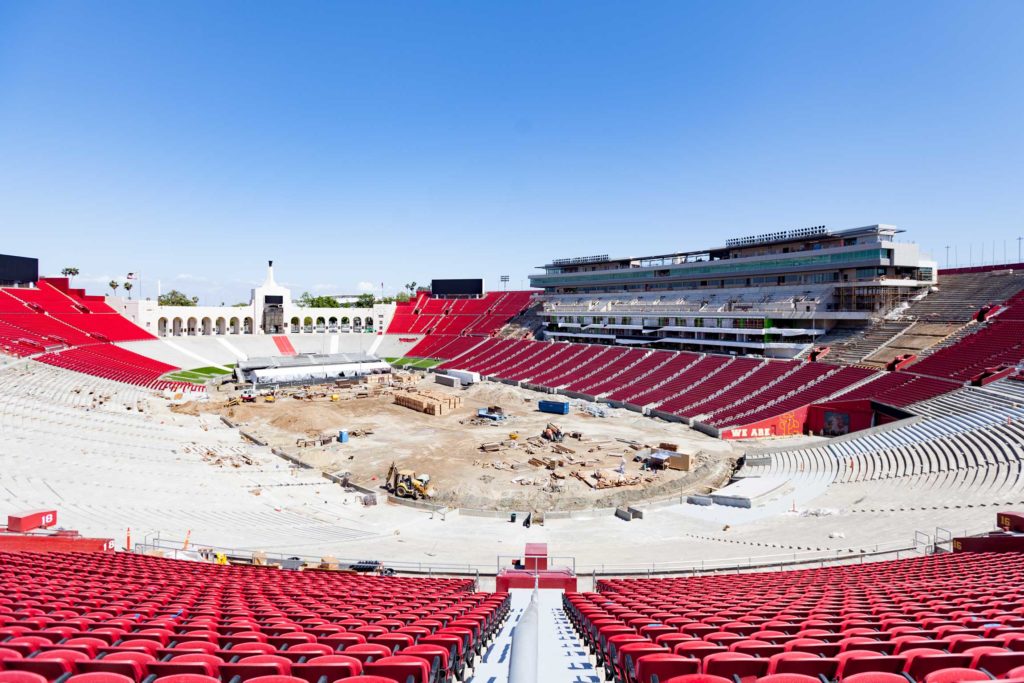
x: 343, y: 436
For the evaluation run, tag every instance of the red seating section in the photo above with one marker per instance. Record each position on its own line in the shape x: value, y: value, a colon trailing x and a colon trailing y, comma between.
x: 114, y: 363
x: 926, y: 619
x: 484, y: 316
x: 443, y: 346
x: 53, y: 315
x: 109, y: 615
x: 998, y: 342
x: 901, y: 389
x: 72, y: 330
x: 722, y: 389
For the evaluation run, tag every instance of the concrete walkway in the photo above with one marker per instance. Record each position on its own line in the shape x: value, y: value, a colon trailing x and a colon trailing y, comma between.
x: 561, y: 657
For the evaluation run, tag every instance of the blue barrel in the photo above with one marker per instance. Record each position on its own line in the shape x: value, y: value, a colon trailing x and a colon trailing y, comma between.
x: 343, y: 436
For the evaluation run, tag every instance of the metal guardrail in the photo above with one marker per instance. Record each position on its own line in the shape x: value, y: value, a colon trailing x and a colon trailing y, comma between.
x: 175, y: 549
x: 756, y: 563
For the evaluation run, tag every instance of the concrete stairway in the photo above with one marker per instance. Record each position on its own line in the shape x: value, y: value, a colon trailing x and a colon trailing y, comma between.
x: 960, y: 296
x: 855, y: 349
x: 561, y: 657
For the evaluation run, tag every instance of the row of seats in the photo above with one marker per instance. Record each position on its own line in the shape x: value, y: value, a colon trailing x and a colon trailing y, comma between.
x: 443, y: 346
x: 720, y: 390
x: 71, y: 313
x: 484, y: 316
x: 915, y: 618
x: 142, y: 617
x: 1000, y: 341
x: 902, y: 388
x: 114, y: 363
x: 66, y: 328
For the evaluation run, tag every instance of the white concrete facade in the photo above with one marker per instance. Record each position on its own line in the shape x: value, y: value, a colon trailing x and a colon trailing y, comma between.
x: 203, y: 321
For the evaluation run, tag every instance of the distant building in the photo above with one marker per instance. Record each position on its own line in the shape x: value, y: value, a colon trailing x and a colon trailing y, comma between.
x: 270, y: 310
x: 771, y: 294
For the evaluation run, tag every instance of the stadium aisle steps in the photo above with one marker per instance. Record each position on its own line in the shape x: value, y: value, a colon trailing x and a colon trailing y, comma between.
x: 284, y: 345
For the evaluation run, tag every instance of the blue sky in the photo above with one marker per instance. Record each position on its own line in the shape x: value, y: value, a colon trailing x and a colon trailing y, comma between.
x: 357, y: 143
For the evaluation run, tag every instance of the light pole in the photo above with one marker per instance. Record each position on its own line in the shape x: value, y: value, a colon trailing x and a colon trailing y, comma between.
x: 1018, y: 248
x: 947, y: 256
x: 504, y: 282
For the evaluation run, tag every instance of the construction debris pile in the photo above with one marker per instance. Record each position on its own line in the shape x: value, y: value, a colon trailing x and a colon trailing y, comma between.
x: 429, y: 402
x: 221, y: 456
x: 583, y: 459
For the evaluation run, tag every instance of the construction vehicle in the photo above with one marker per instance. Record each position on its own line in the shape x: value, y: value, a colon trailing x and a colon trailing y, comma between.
x: 248, y: 396
x: 407, y: 484
x: 269, y: 397
x: 552, y: 433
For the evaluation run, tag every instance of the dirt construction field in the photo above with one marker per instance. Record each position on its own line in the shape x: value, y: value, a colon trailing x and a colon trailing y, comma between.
x: 448, y: 447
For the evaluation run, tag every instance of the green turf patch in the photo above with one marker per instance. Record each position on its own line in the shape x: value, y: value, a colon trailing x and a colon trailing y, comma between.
x: 185, y: 377
x: 422, y: 363
x: 210, y: 370
x: 197, y: 375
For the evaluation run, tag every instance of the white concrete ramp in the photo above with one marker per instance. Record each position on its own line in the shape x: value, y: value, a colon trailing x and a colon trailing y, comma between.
x: 561, y: 657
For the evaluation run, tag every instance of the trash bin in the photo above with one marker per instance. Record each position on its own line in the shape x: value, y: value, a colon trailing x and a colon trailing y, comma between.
x: 513, y: 519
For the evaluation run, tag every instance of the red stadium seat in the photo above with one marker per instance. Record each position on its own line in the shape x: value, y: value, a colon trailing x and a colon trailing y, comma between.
x: 957, y: 675
x: 100, y: 677
x: 401, y: 668
x: 187, y: 678
x: 436, y: 656
x: 736, y: 666
x: 20, y: 677
x: 664, y: 666
x: 367, y: 652
x: 327, y: 668
x: 51, y: 664
x: 133, y: 665
x: 875, y: 677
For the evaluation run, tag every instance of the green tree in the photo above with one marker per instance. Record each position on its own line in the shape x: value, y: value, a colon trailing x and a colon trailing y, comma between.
x: 365, y: 300
x: 307, y: 300
x: 128, y: 288
x: 411, y: 286
x: 113, y: 284
x: 176, y: 298
x: 402, y: 297
x: 70, y: 272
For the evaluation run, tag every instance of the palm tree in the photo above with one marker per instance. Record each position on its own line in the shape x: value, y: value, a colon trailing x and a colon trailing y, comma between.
x: 69, y: 272
x: 195, y: 300
x: 113, y: 287
x: 128, y: 288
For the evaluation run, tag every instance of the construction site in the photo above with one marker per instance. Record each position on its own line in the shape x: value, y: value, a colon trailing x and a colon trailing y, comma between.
x: 487, y: 446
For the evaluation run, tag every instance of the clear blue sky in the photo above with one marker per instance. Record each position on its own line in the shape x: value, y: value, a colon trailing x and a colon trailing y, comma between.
x: 397, y: 141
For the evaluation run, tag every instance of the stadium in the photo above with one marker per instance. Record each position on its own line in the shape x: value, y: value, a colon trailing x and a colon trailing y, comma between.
x: 511, y: 342
x: 791, y: 457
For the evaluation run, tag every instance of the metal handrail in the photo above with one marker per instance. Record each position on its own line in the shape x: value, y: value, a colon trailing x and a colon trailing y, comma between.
x: 174, y: 549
